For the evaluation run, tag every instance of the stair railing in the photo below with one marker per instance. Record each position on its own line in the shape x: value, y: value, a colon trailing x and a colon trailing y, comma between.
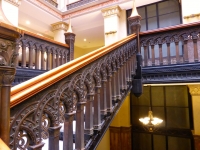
x: 86, y: 90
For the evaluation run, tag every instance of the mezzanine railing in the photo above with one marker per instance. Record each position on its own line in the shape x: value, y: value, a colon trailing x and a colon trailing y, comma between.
x: 171, y: 45
x: 171, y: 54
x: 97, y: 82
x: 38, y: 54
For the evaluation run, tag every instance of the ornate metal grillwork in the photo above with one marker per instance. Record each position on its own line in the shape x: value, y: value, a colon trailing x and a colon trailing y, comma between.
x: 59, y: 102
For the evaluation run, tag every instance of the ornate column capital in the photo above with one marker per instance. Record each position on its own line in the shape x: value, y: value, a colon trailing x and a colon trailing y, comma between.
x: 194, y: 90
x: 7, y: 75
x: 8, y: 38
x: 59, y: 26
x: 114, y: 10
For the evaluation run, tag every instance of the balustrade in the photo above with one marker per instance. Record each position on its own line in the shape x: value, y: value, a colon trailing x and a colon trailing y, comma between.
x: 96, y: 83
x: 37, y: 52
x: 171, y: 45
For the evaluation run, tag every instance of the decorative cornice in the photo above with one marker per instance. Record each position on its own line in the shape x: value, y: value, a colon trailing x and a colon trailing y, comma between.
x: 180, y: 73
x: 14, y: 2
x: 65, y: 15
x: 110, y: 32
x: 115, y: 10
x: 192, y: 16
x: 59, y: 26
x: 194, y: 89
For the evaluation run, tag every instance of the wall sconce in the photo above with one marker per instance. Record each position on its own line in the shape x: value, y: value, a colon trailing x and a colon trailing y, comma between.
x: 110, y: 32
x: 192, y: 16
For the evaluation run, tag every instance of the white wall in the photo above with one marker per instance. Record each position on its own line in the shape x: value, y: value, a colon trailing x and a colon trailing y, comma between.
x: 190, y: 7
x: 111, y: 23
x: 11, y: 12
x: 59, y: 36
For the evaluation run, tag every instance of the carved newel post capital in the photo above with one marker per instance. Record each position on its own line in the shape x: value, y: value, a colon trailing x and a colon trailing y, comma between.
x: 8, y: 45
x: 7, y: 75
x: 134, y: 20
x: 69, y: 37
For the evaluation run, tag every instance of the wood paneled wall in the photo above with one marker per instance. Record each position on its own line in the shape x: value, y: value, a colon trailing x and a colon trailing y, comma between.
x: 120, y: 138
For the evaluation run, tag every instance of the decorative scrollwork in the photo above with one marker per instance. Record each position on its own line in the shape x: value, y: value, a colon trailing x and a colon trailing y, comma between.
x: 170, y: 36
x: 45, y: 126
x: 47, y: 109
x: 23, y: 140
x: 62, y: 111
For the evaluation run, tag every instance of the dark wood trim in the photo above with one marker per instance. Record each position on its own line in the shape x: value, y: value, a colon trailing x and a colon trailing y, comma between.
x: 9, y: 32
x: 44, y: 38
x: 120, y: 138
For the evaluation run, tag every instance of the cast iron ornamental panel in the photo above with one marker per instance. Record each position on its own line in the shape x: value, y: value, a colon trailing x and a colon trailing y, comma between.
x: 33, y: 119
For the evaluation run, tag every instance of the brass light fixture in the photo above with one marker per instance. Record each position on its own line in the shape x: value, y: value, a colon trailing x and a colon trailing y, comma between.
x: 150, y: 122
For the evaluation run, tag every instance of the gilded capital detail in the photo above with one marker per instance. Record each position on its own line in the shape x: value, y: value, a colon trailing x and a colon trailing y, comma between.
x: 194, y: 89
x: 59, y: 26
x: 115, y: 10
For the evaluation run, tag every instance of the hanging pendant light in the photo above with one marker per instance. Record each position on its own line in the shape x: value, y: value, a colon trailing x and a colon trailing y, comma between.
x: 150, y: 122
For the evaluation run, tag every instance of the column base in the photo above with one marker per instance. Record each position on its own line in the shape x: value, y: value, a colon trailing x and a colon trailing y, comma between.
x: 88, y: 131
x: 97, y: 127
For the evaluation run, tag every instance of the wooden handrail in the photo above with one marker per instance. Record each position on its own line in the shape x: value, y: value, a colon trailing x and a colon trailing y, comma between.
x: 176, y: 27
x: 12, y: 32
x: 3, y: 146
x: 22, y: 32
x: 29, y: 88
x: 43, y: 38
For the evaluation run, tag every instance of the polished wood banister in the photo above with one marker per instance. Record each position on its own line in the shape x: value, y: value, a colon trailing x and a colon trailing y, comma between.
x: 3, y: 146
x: 8, y: 29
x: 27, y: 89
x: 22, y: 32
x: 176, y: 27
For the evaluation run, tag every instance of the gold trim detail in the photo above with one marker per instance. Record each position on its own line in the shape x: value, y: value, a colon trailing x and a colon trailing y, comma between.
x: 194, y: 89
x: 192, y: 16
x: 115, y: 10
x: 59, y: 26
x: 110, y: 32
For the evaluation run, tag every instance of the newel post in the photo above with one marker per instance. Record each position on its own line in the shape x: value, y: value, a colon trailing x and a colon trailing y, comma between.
x: 70, y: 39
x: 8, y: 57
x: 134, y: 22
